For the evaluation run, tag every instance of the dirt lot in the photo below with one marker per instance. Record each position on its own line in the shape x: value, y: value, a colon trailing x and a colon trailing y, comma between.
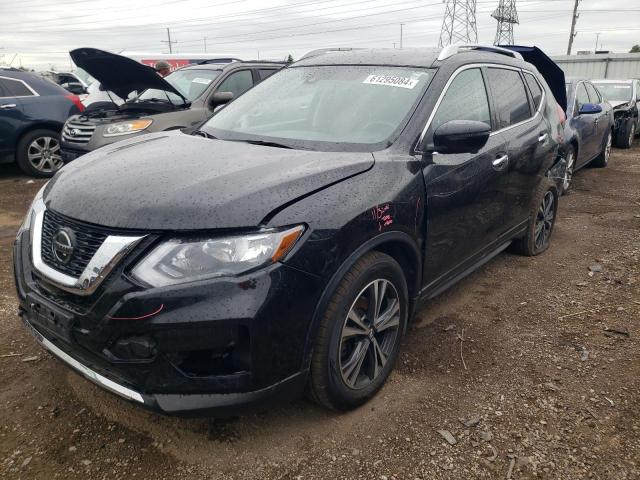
x: 551, y: 387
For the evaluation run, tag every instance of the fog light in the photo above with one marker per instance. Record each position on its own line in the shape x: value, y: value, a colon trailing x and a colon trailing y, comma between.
x: 134, y: 348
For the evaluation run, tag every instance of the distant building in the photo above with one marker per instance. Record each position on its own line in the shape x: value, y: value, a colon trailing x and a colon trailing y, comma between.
x: 600, y: 64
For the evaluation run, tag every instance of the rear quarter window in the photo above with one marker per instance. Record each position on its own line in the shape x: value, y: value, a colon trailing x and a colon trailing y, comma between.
x: 534, y: 88
x: 15, y: 88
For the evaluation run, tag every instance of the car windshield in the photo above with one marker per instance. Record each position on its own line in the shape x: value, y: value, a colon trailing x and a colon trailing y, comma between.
x: 616, y: 92
x: 84, y: 76
x: 191, y: 83
x: 324, y: 107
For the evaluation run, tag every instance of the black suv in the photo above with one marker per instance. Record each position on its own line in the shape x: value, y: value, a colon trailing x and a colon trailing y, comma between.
x: 182, y: 99
x: 288, y: 242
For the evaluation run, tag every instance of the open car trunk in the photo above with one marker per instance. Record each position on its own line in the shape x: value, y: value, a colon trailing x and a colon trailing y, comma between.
x: 549, y: 69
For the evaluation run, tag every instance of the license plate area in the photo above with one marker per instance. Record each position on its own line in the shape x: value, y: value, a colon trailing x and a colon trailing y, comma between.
x: 51, y: 319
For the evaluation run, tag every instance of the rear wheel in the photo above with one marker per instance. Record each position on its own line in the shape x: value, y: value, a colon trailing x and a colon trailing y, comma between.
x: 38, y: 153
x: 602, y: 160
x: 360, y: 333
x: 542, y: 219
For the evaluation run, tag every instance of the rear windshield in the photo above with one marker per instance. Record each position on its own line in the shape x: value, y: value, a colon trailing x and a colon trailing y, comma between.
x: 191, y: 83
x: 616, y: 92
x: 324, y: 107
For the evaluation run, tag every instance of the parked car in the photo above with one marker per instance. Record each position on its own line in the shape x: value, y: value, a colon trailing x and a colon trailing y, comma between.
x: 288, y: 241
x: 588, y: 130
x: 74, y: 82
x: 32, y: 112
x: 624, y: 97
x: 184, y: 98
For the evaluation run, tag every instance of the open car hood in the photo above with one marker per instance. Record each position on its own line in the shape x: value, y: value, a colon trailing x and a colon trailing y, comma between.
x: 118, y: 74
x: 549, y: 69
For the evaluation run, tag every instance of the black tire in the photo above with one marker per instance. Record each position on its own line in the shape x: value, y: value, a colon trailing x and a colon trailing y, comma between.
x: 530, y: 244
x: 626, y: 134
x: 336, y: 346
x: 602, y: 160
x: 569, y: 169
x: 26, y: 151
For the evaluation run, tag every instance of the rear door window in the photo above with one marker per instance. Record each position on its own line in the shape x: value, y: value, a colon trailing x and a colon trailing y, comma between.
x: 237, y: 83
x: 534, y: 88
x: 465, y: 99
x: 510, y: 96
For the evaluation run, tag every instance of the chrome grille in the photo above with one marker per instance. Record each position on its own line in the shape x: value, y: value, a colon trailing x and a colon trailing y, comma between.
x: 77, y: 132
x: 88, y: 240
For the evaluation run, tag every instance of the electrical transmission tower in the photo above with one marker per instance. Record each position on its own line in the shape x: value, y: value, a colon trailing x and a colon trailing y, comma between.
x: 506, y: 15
x: 459, y: 23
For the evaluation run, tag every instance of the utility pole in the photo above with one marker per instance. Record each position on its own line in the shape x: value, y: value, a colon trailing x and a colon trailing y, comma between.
x: 597, y: 38
x: 574, y: 19
x: 459, y: 23
x: 168, y: 41
x: 401, y: 27
x: 506, y: 15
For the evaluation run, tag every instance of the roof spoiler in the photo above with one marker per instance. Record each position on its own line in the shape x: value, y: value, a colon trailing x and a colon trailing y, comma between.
x: 451, y: 50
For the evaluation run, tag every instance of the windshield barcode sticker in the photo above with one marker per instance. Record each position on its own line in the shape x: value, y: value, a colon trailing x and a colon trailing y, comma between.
x: 391, y: 81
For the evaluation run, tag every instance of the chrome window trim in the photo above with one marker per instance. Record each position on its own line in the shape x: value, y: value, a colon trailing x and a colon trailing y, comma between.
x: 86, y: 371
x: 112, y: 250
x: 35, y: 94
x: 417, y: 147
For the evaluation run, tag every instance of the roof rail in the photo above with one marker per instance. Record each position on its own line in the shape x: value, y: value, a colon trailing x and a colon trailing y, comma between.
x: 320, y: 51
x: 217, y: 60
x: 451, y: 50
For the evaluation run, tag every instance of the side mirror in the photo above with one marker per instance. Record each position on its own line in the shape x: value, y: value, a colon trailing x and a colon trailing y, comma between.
x: 75, y: 88
x: 220, y: 98
x: 460, y: 136
x: 589, y: 108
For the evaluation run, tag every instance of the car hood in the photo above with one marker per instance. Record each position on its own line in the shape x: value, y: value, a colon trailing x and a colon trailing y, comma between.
x: 174, y: 181
x: 619, y: 104
x: 118, y: 74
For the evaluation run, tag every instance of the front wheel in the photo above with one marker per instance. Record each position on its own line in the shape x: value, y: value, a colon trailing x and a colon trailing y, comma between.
x: 568, y: 171
x: 626, y: 135
x: 602, y: 160
x: 542, y: 219
x: 360, y: 332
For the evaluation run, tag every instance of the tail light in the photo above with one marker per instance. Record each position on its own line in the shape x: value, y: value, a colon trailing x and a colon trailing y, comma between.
x: 76, y: 101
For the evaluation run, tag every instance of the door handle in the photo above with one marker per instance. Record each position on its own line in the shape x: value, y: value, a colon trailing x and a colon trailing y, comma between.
x: 501, y: 162
x: 543, y: 137
x: 8, y: 105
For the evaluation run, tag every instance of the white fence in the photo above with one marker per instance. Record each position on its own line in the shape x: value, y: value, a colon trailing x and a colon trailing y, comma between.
x: 605, y: 65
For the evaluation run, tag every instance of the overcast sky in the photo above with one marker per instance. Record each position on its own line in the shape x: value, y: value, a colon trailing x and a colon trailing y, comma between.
x: 41, y: 32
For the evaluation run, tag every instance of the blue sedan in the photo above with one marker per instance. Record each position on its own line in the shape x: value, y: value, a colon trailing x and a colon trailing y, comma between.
x: 588, y: 129
x: 32, y: 112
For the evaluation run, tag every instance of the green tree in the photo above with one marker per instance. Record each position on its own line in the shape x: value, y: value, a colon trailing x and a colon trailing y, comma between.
x: 635, y: 49
x: 290, y: 58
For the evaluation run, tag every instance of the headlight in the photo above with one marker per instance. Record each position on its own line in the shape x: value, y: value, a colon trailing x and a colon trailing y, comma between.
x: 179, y: 261
x: 125, y: 128
x: 26, y: 223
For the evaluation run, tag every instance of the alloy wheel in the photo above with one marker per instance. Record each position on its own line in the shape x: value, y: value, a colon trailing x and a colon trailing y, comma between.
x: 544, y: 220
x: 369, y: 334
x: 568, y: 171
x: 607, y: 149
x: 632, y: 134
x: 44, y: 154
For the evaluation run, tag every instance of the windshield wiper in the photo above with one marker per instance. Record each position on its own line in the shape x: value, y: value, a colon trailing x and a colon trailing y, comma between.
x: 265, y: 143
x: 204, y: 134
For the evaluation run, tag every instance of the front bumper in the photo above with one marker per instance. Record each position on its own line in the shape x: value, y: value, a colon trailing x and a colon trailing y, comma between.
x: 214, y: 347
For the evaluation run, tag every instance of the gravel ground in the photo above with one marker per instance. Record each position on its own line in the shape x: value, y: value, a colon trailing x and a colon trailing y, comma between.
x: 529, y: 368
